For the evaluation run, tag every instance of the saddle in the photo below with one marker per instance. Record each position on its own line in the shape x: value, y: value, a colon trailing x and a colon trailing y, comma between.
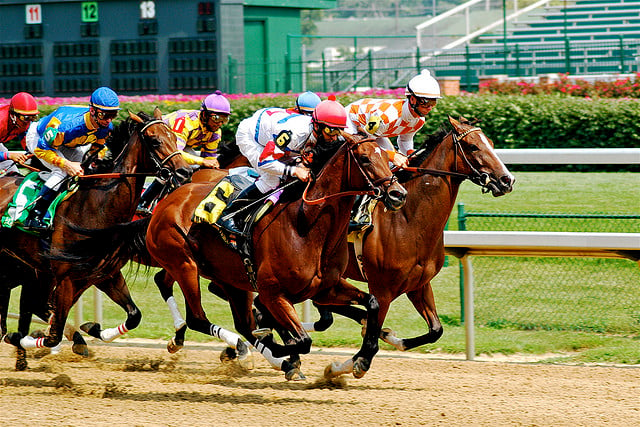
x: 211, y: 208
x: 24, y: 200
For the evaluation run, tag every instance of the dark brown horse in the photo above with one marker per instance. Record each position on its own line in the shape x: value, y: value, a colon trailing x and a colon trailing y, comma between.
x: 300, y: 252
x: 149, y: 147
x: 404, y: 250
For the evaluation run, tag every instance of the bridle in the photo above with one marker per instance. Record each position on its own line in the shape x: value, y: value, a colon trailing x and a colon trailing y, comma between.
x: 480, y: 178
x: 376, y: 188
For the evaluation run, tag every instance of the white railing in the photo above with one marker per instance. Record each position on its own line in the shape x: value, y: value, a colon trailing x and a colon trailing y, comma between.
x: 463, y: 244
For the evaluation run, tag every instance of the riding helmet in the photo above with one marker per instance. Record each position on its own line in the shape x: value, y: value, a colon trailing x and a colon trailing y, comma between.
x: 216, y: 103
x: 330, y: 113
x: 23, y: 103
x: 104, y: 98
x: 424, y: 86
x: 307, y: 102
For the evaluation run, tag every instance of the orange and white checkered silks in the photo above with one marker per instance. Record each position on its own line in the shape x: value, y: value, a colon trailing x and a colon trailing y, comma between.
x: 395, y: 116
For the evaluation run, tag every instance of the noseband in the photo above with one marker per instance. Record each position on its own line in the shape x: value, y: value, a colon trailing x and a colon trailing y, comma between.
x: 374, y: 190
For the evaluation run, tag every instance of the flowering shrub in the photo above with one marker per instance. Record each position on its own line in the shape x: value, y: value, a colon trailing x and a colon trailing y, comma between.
x: 628, y: 87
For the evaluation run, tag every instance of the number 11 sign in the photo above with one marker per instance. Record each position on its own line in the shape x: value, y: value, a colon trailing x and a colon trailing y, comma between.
x: 34, y: 14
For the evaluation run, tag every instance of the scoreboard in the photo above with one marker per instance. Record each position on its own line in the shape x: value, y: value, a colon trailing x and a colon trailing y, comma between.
x: 67, y: 48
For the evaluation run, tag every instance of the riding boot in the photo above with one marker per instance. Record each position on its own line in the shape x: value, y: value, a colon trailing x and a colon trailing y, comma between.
x: 246, y: 197
x: 35, y: 219
x: 153, y: 190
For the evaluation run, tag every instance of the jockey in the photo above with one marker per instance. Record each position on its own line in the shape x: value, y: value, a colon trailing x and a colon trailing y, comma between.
x: 15, y: 119
x: 306, y: 103
x: 385, y: 118
x: 272, y: 140
x: 196, y: 130
x: 61, y: 140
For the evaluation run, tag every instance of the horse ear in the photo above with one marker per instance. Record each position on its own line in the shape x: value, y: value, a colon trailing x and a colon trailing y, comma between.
x: 351, y: 139
x: 157, y: 113
x: 454, y: 122
x: 135, y: 117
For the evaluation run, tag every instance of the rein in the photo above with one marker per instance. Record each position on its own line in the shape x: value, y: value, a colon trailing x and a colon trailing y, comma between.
x: 475, y: 177
x: 375, y: 185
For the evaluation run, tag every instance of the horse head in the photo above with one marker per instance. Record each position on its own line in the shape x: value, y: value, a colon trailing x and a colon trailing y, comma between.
x: 476, y: 157
x: 161, y: 144
x: 373, y: 163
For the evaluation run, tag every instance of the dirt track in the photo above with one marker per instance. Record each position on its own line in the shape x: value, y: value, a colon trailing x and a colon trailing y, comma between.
x: 131, y: 384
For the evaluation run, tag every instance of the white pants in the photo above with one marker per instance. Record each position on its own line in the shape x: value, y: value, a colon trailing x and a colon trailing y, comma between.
x: 75, y: 154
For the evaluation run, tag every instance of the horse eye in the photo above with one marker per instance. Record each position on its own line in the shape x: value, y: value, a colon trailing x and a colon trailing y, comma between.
x: 473, y: 148
x: 365, y: 161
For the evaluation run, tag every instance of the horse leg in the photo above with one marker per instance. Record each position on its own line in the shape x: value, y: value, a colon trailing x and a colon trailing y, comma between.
x: 344, y: 293
x: 5, y: 295
x: 116, y: 288
x: 423, y: 300
x: 21, y: 353
x: 186, y: 274
x: 165, y: 282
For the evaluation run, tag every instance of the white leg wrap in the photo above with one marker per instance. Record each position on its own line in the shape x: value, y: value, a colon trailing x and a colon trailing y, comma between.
x: 231, y: 338
x: 111, y: 334
x: 309, y: 326
x: 275, y: 362
x: 178, y: 321
x: 31, y: 342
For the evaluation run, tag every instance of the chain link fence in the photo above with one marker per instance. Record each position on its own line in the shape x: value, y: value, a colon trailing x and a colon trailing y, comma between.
x: 555, y: 293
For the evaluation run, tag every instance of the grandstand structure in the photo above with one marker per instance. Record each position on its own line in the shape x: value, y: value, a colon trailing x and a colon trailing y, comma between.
x: 583, y: 37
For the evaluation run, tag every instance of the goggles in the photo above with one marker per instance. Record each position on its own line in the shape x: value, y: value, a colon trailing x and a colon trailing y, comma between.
x: 328, y: 130
x: 106, y: 115
x: 26, y: 117
x: 216, y: 118
x: 426, y: 102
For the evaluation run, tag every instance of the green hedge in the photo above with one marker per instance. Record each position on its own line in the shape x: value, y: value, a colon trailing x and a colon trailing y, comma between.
x: 534, y: 121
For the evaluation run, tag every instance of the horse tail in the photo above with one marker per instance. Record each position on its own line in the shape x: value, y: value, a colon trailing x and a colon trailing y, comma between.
x: 102, y: 249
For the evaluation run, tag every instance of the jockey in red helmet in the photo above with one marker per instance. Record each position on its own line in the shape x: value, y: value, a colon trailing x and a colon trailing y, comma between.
x: 15, y: 119
x: 272, y: 137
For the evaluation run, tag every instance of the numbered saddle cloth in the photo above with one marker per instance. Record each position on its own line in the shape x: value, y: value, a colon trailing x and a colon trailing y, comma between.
x: 24, y: 200
x: 211, y: 207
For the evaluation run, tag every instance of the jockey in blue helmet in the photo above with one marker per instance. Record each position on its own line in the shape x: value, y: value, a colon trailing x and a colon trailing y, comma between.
x: 306, y: 103
x: 62, y: 139
x: 104, y: 106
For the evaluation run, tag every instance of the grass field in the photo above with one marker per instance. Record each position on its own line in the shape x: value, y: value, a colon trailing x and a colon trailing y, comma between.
x: 588, y: 313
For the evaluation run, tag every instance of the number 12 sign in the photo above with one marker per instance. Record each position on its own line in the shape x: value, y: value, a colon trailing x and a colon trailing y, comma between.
x: 34, y: 14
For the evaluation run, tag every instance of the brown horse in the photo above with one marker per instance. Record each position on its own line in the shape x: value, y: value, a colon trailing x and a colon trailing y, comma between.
x: 300, y: 252
x: 404, y: 250
x: 100, y: 201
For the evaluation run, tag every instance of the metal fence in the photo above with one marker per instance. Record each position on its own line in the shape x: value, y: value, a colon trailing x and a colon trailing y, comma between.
x: 585, y: 294
x: 366, y: 68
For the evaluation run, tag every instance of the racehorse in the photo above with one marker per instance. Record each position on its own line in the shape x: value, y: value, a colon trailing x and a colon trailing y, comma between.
x: 300, y: 252
x: 101, y: 200
x: 404, y: 250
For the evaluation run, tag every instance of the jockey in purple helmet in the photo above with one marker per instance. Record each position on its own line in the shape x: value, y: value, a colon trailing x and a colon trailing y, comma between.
x: 61, y: 140
x: 197, y: 130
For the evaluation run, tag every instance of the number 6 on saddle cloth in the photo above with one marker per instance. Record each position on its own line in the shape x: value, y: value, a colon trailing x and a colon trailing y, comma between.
x: 24, y: 200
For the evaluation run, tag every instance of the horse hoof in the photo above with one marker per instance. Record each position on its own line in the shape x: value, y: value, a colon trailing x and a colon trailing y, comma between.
x: 80, y: 349
x: 295, y: 362
x: 92, y: 329
x: 295, y: 375
x: 329, y: 371
x: 228, y: 354
x: 245, y: 358
x: 262, y: 333
x: 386, y: 333
x: 172, y: 347
x: 360, y: 368
x: 14, y: 339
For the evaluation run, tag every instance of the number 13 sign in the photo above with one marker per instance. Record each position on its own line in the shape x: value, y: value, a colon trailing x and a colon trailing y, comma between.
x: 34, y: 14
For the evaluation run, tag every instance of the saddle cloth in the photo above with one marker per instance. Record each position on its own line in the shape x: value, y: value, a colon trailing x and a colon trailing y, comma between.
x: 24, y: 200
